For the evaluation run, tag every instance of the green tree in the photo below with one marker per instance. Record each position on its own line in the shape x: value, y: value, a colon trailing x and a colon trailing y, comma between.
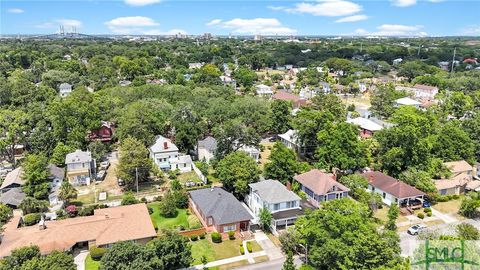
x: 5, y: 213
x: 393, y: 213
x: 35, y: 175
x: 245, y: 77
x: 458, y: 104
x: 288, y: 264
x: 19, y: 257
x: 32, y: 205
x: 452, y: 143
x: 172, y: 249
x: 265, y: 219
x: 383, y: 100
x: 280, y: 116
x: 332, y: 104
x: 339, y: 147
x: 419, y: 179
x: 133, y: 162
x: 236, y: 171
x: 282, y: 165
x: 467, y: 231
x: 67, y: 192
x: 128, y: 198
x: 356, y: 244
x: 168, y: 205
x: 54, y: 261
x: 59, y: 153
x: 129, y: 256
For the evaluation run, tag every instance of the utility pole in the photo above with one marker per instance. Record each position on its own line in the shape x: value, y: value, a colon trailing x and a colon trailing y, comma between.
x: 136, y: 177
x: 453, y: 60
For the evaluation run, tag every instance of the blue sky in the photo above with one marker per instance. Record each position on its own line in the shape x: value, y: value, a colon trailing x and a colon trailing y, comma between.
x: 321, y: 17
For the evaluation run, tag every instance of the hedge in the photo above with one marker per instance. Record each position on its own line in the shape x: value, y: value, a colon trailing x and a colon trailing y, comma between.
x: 31, y: 219
x: 194, y: 237
x: 202, y: 236
x: 216, y: 237
x: 97, y: 253
x: 242, y: 250
x: 249, y: 247
x: 231, y: 235
x: 421, y: 215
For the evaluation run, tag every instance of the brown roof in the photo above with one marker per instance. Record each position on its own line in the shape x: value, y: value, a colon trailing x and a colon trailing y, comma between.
x: 391, y: 185
x: 106, y: 226
x: 427, y: 88
x: 458, y: 166
x: 458, y: 180
x: 319, y: 182
x: 286, y: 96
x: 13, y: 177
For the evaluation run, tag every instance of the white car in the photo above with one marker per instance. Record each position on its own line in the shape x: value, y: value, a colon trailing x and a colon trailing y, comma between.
x: 415, y: 229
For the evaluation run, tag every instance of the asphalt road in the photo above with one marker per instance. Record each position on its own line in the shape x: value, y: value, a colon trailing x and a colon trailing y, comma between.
x: 270, y: 265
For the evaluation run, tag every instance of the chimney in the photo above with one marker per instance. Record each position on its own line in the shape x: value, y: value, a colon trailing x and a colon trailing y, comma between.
x: 289, y: 185
x: 165, y: 145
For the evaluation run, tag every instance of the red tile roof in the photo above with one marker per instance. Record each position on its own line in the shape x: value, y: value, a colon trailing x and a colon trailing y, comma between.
x: 391, y: 185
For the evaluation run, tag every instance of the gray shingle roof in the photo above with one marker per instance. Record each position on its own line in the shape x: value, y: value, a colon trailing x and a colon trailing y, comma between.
x: 219, y: 204
x: 209, y: 143
x: 272, y: 191
x: 13, y: 177
x: 78, y: 156
x: 12, y: 197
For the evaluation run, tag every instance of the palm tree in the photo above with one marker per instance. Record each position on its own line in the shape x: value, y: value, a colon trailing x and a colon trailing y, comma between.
x: 67, y: 192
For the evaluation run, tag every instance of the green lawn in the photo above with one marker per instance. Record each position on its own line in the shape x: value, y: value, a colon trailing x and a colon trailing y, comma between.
x: 189, y: 176
x: 213, y: 251
x: 183, y: 218
x: 255, y: 246
x: 91, y: 264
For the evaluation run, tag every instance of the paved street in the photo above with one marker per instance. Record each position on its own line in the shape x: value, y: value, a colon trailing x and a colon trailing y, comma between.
x: 270, y: 265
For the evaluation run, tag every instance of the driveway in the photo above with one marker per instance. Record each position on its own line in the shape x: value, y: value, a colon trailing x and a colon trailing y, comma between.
x: 79, y: 259
x: 444, y: 217
x: 273, y: 252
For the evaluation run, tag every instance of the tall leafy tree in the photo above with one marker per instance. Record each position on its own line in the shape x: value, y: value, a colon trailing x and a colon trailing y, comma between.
x: 236, y: 171
x: 133, y: 160
x: 282, y: 165
x: 67, y: 192
x: 172, y: 249
x: 280, y: 116
x: 35, y: 174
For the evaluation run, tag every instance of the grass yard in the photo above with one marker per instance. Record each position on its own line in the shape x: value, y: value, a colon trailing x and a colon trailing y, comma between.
x: 230, y: 265
x: 184, y: 218
x: 382, y: 215
x: 213, y: 251
x: 450, y: 207
x: 261, y: 259
x: 265, y: 154
x: 188, y: 176
x: 91, y: 264
x: 255, y: 246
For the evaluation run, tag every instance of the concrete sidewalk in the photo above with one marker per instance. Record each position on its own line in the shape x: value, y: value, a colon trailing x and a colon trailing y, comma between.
x: 273, y: 252
x: 231, y: 260
x: 79, y: 259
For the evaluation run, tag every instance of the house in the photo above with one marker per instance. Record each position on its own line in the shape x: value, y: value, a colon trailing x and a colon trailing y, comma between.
x: 297, y: 102
x: 219, y: 210
x: 420, y: 91
x: 290, y: 140
x: 367, y: 126
x: 252, y: 151
x: 320, y: 187
x: 12, y: 197
x: 206, y: 149
x: 57, y: 175
x: 264, y: 90
x: 13, y: 179
x: 397, y: 61
x: 81, y: 167
x: 406, y: 101
x: 284, y: 205
x: 324, y: 88
x: 165, y: 156
x: 124, y: 83
x: 391, y: 189
x: 102, y: 134
x: 462, y: 175
x: 195, y: 65
x: 104, y: 228
x: 65, y: 89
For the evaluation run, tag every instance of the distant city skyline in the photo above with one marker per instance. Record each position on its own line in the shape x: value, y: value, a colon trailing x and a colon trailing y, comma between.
x: 322, y: 17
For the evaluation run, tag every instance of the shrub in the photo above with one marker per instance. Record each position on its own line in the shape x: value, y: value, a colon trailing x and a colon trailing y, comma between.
x: 150, y: 210
x: 71, y: 210
x: 249, y: 247
x: 231, y: 235
x: 155, y: 226
x: 216, y: 237
x: 97, y: 253
x: 455, y: 197
x: 420, y: 215
x: 427, y: 210
x: 429, y: 214
x: 181, y: 228
x: 194, y: 237
x: 31, y: 219
x: 242, y: 250
x: 202, y: 236
x: 60, y: 213
x: 143, y: 200
x: 86, y: 211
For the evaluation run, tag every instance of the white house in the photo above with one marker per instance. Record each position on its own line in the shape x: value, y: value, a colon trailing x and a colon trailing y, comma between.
x: 80, y: 167
x: 391, y: 189
x: 420, y: 91
x: 367, y: 126
x: 290, y: 139
x: 397, y: 61
x: 166, y: 157
x: 65, y: 89
x: 206, y: 149
x: 252, y: 151
x: 284, y: 205
x: 195, y: 65
x: 264, y: 90
x: 406, y: 101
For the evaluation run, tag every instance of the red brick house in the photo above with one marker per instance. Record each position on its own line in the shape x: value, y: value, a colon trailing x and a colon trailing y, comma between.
x: 103, y: 134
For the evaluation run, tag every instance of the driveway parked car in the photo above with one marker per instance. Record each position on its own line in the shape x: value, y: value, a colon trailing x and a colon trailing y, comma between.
x: 415, y: 229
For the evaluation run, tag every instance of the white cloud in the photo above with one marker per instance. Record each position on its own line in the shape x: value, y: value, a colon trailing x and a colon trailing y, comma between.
x: 138, y: 25
x: 404, y: 3
x: 329, y: 8
x: 354, y: 18
x: 472, y: 30
x: 15, y: 10
x: 140, y: 3
x: 264, y: 26
x: 64, y: 22
x: 213, y: 22
x: 393, y: 30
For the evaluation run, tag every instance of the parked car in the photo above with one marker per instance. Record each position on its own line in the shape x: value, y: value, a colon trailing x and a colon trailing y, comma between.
x: 426, y: 204
x: 120, y: 182
x: 415, y: 229
x: 101, y: 175
x: 104, y: 165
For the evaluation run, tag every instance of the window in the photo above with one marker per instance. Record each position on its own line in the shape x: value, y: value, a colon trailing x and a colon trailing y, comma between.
x: 276, y: 206
x: 384, y: 195
x: 228, y: 228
